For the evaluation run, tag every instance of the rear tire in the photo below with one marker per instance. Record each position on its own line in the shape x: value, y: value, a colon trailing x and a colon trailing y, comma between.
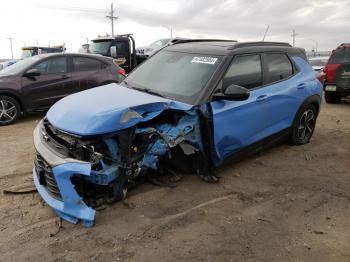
x: 10, y: 110
x: 303, y: 125
x: 332, y: 97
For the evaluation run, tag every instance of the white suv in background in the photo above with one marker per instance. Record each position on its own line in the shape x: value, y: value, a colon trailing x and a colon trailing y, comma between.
x: 147, y: 51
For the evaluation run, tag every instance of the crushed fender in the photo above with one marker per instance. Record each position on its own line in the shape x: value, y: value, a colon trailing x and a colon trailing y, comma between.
x: 160, y: 144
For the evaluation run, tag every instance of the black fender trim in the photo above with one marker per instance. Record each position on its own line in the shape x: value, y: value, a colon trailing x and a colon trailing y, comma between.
x: 315, y: 100
x: 14, y: 94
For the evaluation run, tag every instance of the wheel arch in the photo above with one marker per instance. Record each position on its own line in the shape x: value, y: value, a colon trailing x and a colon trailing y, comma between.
x: 15, y: 96
x: 314, y: 100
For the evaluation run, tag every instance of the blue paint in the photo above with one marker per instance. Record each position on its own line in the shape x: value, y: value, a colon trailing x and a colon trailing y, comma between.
x: 100, y: 110
x: 238, y: 124
x: 71, y: 208
x: 111, y: 108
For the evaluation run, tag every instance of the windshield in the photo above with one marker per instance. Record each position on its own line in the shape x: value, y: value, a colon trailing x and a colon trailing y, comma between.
x: 26, y: 53
x: 19, y: 66
x: 100, y: 47
x: 340, y: 56
x: 318, y: 62
x: 160, y: 42
x: 174, y: 74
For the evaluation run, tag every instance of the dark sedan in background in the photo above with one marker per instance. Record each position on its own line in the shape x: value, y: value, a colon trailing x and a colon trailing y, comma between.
x: 35, y: 83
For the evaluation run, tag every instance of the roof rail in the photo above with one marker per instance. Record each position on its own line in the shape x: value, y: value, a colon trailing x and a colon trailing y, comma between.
x: 249, y: 44
x: 181, y: 41
x: 343, y: 44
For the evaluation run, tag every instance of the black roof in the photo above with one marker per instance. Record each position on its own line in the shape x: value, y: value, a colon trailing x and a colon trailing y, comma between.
x: 227, y: 47
x: 101, y: 57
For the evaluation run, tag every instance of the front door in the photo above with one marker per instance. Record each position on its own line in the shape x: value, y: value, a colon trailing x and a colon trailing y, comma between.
x: 240, y: 123
x: 47, y: 88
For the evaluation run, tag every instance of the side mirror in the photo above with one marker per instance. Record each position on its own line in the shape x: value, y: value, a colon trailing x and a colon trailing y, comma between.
x: 32, y: 73
x: 232, y: 92
x: 113, y: 50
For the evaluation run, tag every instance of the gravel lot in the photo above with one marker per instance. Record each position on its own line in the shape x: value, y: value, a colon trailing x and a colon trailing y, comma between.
x: 285, y: 204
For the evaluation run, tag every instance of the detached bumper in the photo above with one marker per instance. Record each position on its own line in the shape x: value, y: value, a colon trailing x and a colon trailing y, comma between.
x: 52, y: 177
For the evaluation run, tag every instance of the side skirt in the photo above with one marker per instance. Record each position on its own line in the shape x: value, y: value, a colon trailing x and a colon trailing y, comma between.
x: 257, y: 147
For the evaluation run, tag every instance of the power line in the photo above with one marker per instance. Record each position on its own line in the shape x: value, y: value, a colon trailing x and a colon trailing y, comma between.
x: 75, y: 8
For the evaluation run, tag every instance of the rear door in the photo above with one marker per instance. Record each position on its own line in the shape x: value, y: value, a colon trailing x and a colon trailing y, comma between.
x: 49, y: 87
x: 284, y: 91
x: 86, y: 73
x: 238, y: 124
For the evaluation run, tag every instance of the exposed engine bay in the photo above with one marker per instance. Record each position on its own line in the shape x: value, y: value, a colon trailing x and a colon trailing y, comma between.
x: 154, y: 150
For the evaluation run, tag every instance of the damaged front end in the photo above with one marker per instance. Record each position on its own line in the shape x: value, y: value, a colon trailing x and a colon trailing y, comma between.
x: 75, y: 173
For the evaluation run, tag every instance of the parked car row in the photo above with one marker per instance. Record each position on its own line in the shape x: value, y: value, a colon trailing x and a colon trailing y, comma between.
x: 36, y: 83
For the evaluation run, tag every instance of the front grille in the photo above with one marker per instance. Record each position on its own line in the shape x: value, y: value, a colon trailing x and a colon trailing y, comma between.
x: 46, y: 177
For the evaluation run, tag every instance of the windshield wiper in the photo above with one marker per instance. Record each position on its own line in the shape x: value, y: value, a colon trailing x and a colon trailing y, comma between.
x: 148, y: 91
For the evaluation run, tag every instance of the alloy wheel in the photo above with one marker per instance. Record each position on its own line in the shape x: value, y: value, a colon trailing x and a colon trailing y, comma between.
x: 8, y: 111
x: 306, y: 125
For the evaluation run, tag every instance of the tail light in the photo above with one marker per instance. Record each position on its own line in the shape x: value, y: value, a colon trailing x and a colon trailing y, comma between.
x: 329, y: 71
x: 121, y: 72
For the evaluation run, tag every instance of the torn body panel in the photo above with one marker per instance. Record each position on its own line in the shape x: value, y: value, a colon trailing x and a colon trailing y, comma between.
x: 114, y: 108
x: 147, y: 140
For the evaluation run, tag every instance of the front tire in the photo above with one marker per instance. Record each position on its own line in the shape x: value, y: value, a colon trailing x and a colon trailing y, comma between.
x: 304, y: 125
x: 332, y: 97
x: 9, y: 110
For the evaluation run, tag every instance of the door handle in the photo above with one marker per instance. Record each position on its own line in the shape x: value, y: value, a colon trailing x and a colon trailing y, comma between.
x: 65, y: 77
x: 261, y: 98
x: 301, y: 86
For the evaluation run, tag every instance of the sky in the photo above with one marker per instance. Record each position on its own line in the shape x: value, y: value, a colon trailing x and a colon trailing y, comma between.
x: 320, y: 23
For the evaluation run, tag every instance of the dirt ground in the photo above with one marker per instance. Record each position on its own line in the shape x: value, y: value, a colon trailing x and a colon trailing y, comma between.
x: 285, y: 204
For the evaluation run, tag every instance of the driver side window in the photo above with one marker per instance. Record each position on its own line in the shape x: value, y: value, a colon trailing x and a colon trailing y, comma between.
x: 53, y: 65
x: 244, y: 71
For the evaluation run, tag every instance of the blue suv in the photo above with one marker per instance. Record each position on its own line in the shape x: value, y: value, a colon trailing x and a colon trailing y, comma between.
x: 188, y: 108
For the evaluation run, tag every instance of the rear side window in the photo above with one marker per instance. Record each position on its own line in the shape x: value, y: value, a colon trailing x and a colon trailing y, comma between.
x: 278, y: 67
x: 340, y: 56
x: 54, y: 65
x: 244, y: 71
x: 86, y: 64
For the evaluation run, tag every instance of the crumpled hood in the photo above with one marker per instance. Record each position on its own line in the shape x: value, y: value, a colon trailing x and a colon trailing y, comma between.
x: 107, y: 109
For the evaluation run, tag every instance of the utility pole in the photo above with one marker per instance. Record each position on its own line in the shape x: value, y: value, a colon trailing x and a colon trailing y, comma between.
x: 267, y: 29
x: 294, y: 35
x: 112, y: 18
x: 11, y: 38
x: 171, y: 32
